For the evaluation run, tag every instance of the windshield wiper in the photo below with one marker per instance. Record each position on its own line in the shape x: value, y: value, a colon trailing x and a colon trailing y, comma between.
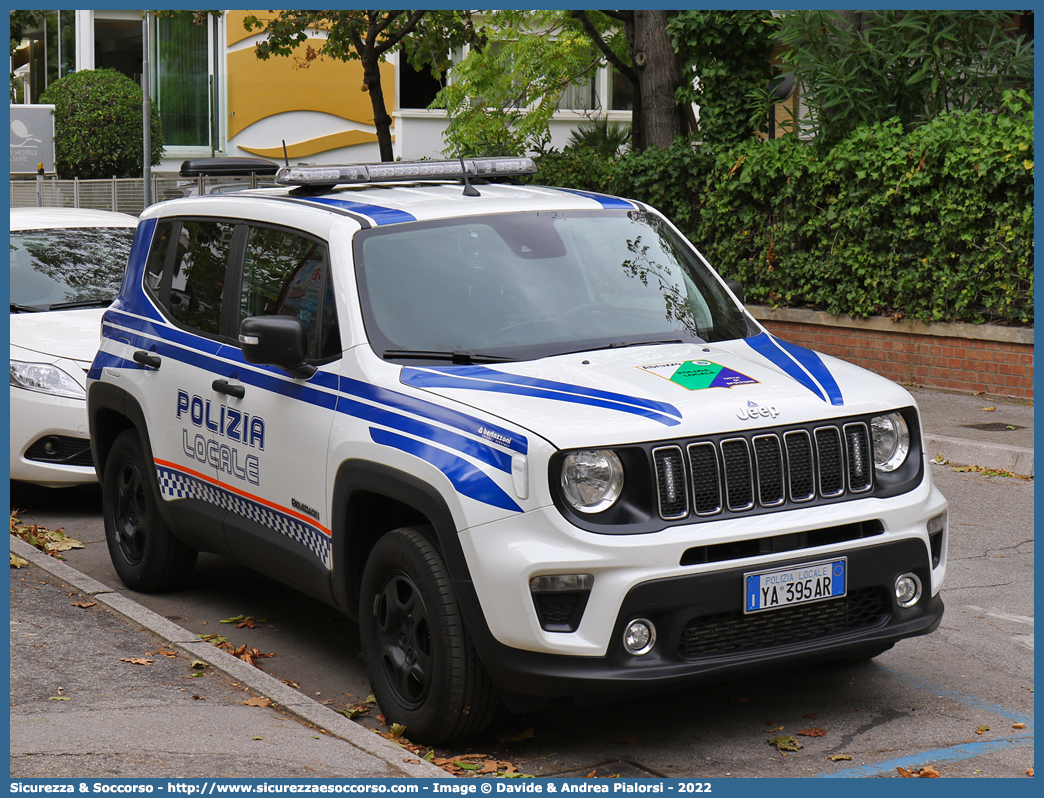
x: 83, y: 303
x: 16, y: 308
x: 458, y: 357
x: 625, y: 344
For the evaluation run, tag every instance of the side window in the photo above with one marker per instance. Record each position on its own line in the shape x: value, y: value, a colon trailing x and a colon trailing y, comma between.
x: 158, y: 257
x: 285, y: 274
x: 198, y: 282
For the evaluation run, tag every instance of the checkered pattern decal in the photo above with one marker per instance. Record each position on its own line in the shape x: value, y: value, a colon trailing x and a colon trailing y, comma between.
x: 175, y: 484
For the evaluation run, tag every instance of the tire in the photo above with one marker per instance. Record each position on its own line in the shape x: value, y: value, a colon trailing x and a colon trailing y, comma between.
x: 146, y: 556
x: 423, y: 668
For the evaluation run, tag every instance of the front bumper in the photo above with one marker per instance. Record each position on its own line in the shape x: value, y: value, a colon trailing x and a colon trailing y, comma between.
x: 703, y: 635
x: 35, y: 416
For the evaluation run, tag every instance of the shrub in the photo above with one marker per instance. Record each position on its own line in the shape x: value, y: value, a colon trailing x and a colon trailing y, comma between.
x: 934, y: 224
x: 98, y: 125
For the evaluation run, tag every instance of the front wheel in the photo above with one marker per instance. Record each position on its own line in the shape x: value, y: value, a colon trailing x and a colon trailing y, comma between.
x: 422, y: 665
x: 146, y: 556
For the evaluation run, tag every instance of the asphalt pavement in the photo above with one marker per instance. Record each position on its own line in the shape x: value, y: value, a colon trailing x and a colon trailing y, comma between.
x: 103, y: 687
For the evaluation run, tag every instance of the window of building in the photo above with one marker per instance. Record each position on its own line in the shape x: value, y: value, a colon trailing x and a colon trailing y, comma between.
x: 117, y: 45
x: 46, y: 53
x: 184, y: 80
x: 417, y: 88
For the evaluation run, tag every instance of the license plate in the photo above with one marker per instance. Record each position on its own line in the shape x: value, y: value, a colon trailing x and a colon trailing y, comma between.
x: 785, y: 587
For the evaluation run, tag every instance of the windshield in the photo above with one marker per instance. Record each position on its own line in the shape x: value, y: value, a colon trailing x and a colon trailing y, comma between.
x: 530, y: 285
x: 68, y: 265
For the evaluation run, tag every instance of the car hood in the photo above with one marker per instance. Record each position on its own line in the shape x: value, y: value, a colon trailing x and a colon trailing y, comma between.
x: 648, y: 393
x: 68, y: 334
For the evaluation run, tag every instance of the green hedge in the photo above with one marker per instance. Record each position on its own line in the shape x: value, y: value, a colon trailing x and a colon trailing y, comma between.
x: 934, y: 224
x: 98, y: 125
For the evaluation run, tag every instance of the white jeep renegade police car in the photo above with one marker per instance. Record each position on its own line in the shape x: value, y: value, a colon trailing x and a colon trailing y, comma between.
x: 526, y: 436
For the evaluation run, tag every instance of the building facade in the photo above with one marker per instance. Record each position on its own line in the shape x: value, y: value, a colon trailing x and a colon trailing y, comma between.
x: 215, y: 97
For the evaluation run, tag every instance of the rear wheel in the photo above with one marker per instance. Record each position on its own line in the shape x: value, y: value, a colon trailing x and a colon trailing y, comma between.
x: 422, y: 665
x: 146, y: 556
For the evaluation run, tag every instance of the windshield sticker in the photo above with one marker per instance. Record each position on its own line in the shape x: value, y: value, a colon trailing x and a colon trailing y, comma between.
x: 695, y: 375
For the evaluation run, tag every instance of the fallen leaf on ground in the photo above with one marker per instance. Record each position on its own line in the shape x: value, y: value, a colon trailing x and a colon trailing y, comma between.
x: 785, y: 743
x: 397, y: 730
x: 1030, y: 772
x: 815, y: 732
x: 988, y: 409
x: 85, y: 604
x: 840, y: 758
x: 137, y: 660
x: 1018, y: 725
x: 927, y: 772
x: 258, y: 701
x: 982, y: 729
x: 18, y: 562
x: 58, y: 698
x: 48, y: 541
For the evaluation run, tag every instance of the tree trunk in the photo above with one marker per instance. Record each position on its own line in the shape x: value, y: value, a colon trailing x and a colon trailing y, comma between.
x: 381, y: 120
x: 659, y: 76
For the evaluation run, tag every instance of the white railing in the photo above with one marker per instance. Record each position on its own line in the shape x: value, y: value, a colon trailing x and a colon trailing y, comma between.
x: 125, y: 195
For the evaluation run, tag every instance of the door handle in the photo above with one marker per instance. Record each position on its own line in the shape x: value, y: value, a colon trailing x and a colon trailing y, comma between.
x: 223, y: 386
x: 144, y: 358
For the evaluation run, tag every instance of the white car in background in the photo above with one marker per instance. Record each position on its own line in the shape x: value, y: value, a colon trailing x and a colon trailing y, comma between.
x: 66, y: 268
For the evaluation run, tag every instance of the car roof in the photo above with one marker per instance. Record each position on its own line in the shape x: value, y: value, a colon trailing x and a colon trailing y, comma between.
x: 395, y: 203
x: 55, y: 218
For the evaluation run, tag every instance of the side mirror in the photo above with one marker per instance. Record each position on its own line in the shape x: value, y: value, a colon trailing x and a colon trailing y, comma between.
x: 736, y: 288
x: 279, y: 341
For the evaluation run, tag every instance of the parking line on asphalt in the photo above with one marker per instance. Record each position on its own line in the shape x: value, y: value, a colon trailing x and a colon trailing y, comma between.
x: 954, y: 753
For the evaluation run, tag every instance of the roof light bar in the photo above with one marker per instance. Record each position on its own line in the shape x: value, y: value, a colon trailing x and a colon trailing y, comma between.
x: 403, y: 171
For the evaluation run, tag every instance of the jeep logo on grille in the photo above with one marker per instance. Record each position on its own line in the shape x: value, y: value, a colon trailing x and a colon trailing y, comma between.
x: 754, y: 411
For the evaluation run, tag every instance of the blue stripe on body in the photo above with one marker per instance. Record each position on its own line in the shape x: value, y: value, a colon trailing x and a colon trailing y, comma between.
x: 466, y: 478
x: 605, y: 200
x: 269, y: 378
x: 766, y: 346
x: 479, y: 378
x: 104, y: 360
x: 444, y: 415
x: 815, y: 366
x: 378, y: 213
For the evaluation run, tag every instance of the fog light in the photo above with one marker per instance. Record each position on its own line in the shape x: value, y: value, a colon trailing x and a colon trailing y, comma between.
x: 640, y: 637
x: 907, y: 590
x: 52, y: 446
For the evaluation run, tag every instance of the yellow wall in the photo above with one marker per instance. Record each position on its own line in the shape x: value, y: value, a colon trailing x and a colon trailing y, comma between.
x: 259, y: 89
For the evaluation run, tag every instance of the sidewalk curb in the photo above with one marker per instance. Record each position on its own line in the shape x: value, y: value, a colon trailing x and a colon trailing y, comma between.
x: 282, y: 696
x: 1016, y: 459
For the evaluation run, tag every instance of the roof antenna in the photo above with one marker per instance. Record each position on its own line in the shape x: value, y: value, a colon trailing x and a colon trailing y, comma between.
x: 469, y: 190
x: 286, y: 159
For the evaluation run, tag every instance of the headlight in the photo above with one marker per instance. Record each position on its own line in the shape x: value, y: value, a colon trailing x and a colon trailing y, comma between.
x: 592, y: 480
x: 891, y: 441
x: 44, y: 378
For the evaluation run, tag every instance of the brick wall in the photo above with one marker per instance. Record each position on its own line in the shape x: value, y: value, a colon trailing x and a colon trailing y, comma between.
x: 956, y: 357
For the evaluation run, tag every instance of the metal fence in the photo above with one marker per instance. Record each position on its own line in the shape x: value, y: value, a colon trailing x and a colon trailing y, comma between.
x: 125, y: 195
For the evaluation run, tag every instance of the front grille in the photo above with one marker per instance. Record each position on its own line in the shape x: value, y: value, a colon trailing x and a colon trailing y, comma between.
x: 763, y: 470
x: 728, y: 632
x: 62, y: 450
